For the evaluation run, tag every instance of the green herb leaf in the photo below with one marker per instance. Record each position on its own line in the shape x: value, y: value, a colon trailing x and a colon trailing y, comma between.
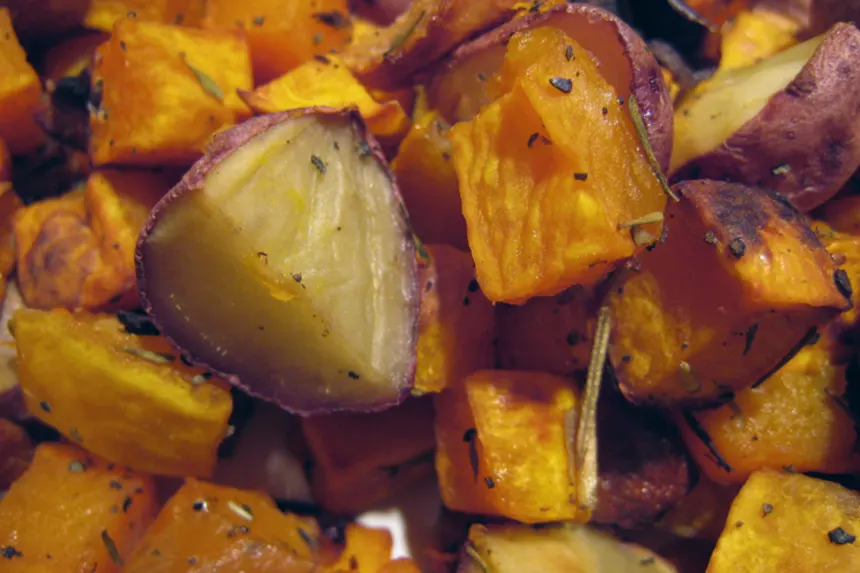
x: 206, y: 82
x: 639, y: 124
x: 156, y: 357
x: 400, y: 40
x: 111, y: 548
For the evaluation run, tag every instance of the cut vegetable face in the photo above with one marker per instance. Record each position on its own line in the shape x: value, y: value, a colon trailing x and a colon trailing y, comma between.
x: 787, y: 123
x: 284, y: 260
x: 459, y: 86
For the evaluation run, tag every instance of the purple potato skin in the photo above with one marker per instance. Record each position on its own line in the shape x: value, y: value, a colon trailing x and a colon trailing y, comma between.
x: 804, y: 142
x: 222, y: 146
x: 624, y: 58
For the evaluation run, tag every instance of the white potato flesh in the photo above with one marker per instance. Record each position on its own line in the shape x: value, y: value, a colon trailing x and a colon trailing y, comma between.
x: 292, y: 268
x: 721, y: 105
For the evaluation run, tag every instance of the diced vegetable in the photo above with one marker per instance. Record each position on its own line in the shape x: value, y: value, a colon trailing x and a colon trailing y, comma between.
x: 359, y: 459
x: 20, y: 92
x: 282, y: 35
x: 754, y: 35
x: 205, y: 527
x: 367, y: 550
x: 789, y: 522
x: 103, y: 14
x: 77, y: 251
x: 163, y: 90
x: 552, y: 186
x: 124, y: 397
x: 426, y: 177
x: 739, y: 286
x: 295, y: 219
x: 455, y: 328
x: 73, y: 512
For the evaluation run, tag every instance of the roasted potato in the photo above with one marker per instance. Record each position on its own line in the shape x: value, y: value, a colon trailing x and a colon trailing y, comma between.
x: 122, y: 396
x: 554, y: 549
x: 419, y: 37
x: 789, y: 522
x: 738, y: 287
x: 16, y: 452
x: 786, y: 123
x: 754, y: 35
x: 553, y: 176
x: 459, y: 86
x: 72, y: 511
x: 297, y: 220
x: 20, y: 92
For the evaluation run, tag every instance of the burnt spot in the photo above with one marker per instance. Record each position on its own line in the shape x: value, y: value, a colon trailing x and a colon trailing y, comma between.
x: 735, y: 213
x: 833, y: 156
x: 803, y: 86
x: 840, y: 277
x: 786, y: 211
x: 737, y: 247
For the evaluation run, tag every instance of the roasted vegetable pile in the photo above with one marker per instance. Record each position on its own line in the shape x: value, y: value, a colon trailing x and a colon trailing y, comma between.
x: 568, y: 286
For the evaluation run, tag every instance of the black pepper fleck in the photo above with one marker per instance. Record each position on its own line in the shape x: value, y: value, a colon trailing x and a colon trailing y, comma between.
x: 473, y: 286
x: 839, y: 536
x: 580, y: 176
x: 319, y: 164
x: 532, y: 138
x: 114, y: 484
x: 10, y: 552
x: 710, y: 238
x: 353, y: 375
x: 45, y: 406
x: 737, y: 247
x: 766, y: 509
x: 840, y: 277
x: 564, y: 85
x: 490, y: 483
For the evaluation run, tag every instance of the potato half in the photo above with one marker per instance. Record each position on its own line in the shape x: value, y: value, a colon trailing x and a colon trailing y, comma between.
x: 284, y: 261
x: 788, y: 123
x: 459, y: 86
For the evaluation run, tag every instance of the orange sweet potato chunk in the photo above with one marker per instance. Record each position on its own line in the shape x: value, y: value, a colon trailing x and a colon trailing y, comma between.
x: 283, y: 35
x: 455, y: 327
x: 550, y: 334
x: 327, y: 83
x: 428, y: 182
x: 164, y: 90
x: 552, y: 174
x: 740, y: 285
x: 103, y: 14
x: 401, y: 565
x: 16, y: 451
x: 797, y: 418
x: 367, y: 550
x: 790, y: 523
x: 77, y: 251
x: 206, y: 527
x: 73, y: 512
x: 20, y: 92
x: 481, y: 462
x: 359, y: 459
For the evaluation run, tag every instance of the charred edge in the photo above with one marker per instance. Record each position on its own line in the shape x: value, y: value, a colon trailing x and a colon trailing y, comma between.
x: 789, y: 213
x: 843, y: 285
x: 700, y: 433
x: 810, y: 335
x: 740, y: 213
x: 471, y: 438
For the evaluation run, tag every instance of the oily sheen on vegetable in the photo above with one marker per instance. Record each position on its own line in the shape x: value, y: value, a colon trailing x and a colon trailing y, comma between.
x: 284, y: 260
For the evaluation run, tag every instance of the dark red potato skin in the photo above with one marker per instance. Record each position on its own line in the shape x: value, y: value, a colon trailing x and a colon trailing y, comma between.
x: 221, y: 146
x: 804, y: 143
x: 643, y: 465
x: 624, y: 58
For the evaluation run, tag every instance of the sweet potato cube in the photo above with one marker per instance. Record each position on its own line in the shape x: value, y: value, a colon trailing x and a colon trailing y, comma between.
x: 790, y: 523
x: 327, y: 83
x: 125, y: 397
x: 845, y: 247
x: 20, y: 92
x: 206, y: 527
x: 10, y: 204
x: 164, y: 90
x: 797, y: 418
x: 283, y: 35
x: 103, y: 14
x: 551, y: 334
x: 552, y: 175
x: 360, y: 459
x: 77, y: 251
x: 754, y: 35
x: 740, y: 284
x: 455, y: 328
x: 402, y: 565
x: 555, y: 549
x: 73, y: 512
x: 16, y: 451
x: 428, y: 182
x: 480, y: 459
x: 367, y: 550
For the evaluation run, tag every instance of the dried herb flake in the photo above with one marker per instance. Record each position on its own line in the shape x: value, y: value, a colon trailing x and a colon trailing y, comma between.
x: 766, y: 509
x: 319, y: 164
x: 750, y: 337
x: 839, y: 536
x: 156, y: 357
x: 111, y: 548
x: 206, y: 82
x: 568, y: 53
x: 400, y: 40
x: 642, y: 132
x: 471, y: 438
x: 334, y: 19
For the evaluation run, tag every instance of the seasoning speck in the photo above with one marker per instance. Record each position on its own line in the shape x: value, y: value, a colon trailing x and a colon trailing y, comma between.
x: 839, y: 536
x: 335, y: 19
x: 306, y: 537
x: 319, y: 164
x: 353, y: 375
x: 568, y: 53
x: 766, y: 509
x: 45, y: 406
x: 241, y: 510
x: 200, y: 505
x: 10, y: 552
x: 258, y: 21
x: 737, y: 247
x: 710, y: 238
x: 473, y: 286
x: 580, y: 176
x: 840, y: 277
x: 126, y: 503
x: 111, y: 548
x: 532, y: 138
x: 114, y: 484
x: 564, y: 85
x: 77, y: 467
x: 490, y: 483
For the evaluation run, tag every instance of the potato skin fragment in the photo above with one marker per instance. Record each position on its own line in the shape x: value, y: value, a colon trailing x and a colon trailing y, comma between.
x: 459, y: 89
x: 802, y: 144
x: 548, y: 211
x: 760, y: 282
x: 784, y: 521
x: 220, y: 147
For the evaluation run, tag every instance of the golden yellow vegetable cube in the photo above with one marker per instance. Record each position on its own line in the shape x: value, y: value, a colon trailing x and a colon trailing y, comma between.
x: 482, y: 462
x: 127, y: 398
x: 790, y: 523
x: 739, y: 286
x: 20, y: 92
x: 163, y: 91
x: 103, y: 14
